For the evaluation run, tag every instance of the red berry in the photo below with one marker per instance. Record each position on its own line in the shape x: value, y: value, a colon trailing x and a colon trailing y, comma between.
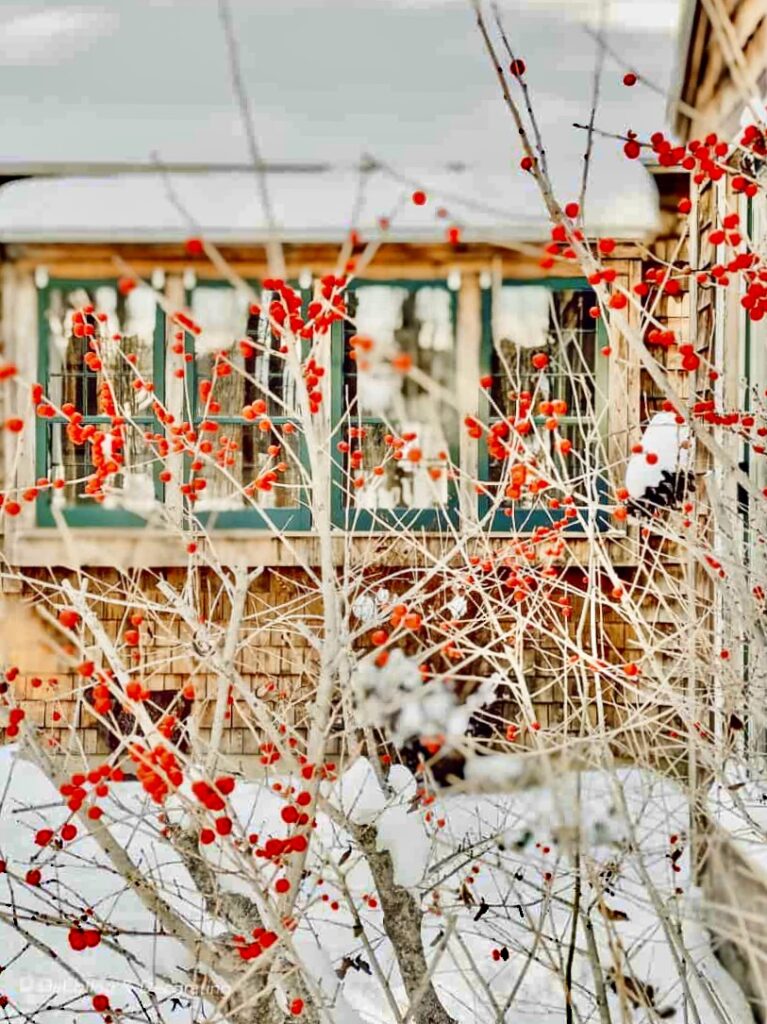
x: 68, y: 618
x: 572, y: 210
x: 33, y: 876
x: 629, y: 78
x: 282, y: 885
x: 540, y: 360
x: 297, y: 1007
x: 517, y: 67
x: 100, y: 1003
x: 419, y: 197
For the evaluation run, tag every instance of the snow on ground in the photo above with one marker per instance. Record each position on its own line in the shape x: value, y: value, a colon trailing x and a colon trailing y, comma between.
x: 739, y: 807
x: 511, y: 855
x: 31, y: 980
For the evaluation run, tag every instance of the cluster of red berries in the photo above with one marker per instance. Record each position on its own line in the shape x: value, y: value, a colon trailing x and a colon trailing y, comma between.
x: 81, y: 939
x: 755, y: 139
x: 285, y: 307
x: 157, y: 769
x: 706, y: 158
x: 262, y: 940
x: 45, y: 836
x: 15, y: 425
x: 76, y: 793
x: 212, y: 797
x: 15, y: 718
x: 274, y: 849
x: 334, y: 309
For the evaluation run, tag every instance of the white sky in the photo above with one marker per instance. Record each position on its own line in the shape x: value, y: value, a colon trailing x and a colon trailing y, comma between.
x: 406, y: 80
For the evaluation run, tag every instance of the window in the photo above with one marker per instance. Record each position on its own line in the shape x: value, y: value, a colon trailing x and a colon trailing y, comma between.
x: 233, y: 455
x: 170, y: 709
x: 253, y: 469
x: 101, y: 353
x: 543, y: 398
x: 396, y: 435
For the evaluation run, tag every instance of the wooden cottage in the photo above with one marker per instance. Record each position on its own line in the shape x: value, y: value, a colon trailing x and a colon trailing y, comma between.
x: 720, y: 101
x: 75, y: 241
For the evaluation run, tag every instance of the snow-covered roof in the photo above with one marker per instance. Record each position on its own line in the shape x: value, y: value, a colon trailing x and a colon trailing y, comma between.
x: 313, y: 205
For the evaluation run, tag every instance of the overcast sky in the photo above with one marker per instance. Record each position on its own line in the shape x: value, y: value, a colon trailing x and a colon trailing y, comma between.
x: 406, y: 80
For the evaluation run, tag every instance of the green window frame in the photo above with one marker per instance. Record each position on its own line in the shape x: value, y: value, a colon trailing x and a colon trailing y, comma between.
x: 528, y: 520
x: 94, y: 514
x: 345, y: 515
x: 294, y: 518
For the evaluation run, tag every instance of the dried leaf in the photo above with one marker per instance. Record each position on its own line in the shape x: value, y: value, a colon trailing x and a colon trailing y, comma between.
x: 612, y: 914
x: 466, y: 896
x: 483, y: 909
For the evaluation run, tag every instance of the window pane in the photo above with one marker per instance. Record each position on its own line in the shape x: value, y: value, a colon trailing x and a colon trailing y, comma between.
x: 252, y: 368
x: 532, y: 319
x: 387, y: 476
x: 417, y: 322
x: 222, y: 312
x: 131, y: 487
x: 123, y: 326
x: 241, y: 459
x: 515, y: 477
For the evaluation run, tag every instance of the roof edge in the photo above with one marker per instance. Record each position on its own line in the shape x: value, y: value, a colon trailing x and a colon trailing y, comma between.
x: 688, y: 23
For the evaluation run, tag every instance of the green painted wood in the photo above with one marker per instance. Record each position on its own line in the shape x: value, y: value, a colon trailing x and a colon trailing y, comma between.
x: 529, y: 520
x: 94, y: 515
x: 345, y: 516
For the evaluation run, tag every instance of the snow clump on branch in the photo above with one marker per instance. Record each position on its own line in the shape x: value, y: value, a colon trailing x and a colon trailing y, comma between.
x: 396, y: 695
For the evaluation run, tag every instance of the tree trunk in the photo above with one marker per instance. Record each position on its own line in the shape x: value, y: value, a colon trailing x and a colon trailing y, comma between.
x: 402, y: 918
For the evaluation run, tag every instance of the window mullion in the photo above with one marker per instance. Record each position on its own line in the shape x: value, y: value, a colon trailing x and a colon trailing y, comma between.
x: 175, y: 390
x: 468, y: 359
